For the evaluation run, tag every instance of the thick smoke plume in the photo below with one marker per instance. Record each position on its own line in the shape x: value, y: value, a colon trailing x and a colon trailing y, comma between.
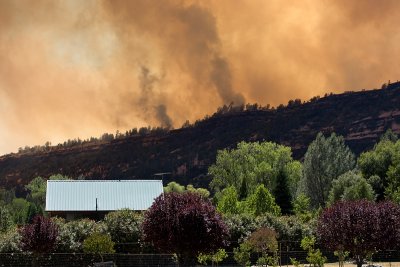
x: 80, y: 68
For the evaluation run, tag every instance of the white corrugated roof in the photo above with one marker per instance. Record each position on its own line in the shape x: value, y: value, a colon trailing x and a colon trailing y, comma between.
x: 81, y: 195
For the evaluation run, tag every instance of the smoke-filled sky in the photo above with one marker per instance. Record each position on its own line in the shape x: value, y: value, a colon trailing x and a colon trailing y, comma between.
x: 72, y: 68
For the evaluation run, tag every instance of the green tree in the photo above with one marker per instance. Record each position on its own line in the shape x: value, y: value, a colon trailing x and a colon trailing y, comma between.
x: 377, y: 162
x: 350, y: 186
x: 325, y: 160
x: 19, y: 208
x: 377, y: 185
x: 37, y: 195
x: 242, y: 254
x: 314, y: 256
x: 393, y: 176
x: 202, y: 191
x: 294, y: 172
x: 261, y: 202
x: 174, y: 187
x: 301, y: 207
x: 249, y: 165
x: 228, y: 202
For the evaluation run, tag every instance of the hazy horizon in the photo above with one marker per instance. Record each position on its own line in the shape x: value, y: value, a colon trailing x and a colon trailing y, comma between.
x: 72, y: 69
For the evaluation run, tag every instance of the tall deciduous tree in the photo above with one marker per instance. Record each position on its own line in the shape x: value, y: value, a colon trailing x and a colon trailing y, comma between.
x: 325, y: 160
x: 350, y: 186
x: 359, y: 227
x: 251, y: 164
x: 186, y: 224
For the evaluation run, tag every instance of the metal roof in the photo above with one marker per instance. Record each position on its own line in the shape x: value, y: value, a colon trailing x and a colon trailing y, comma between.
x: 82, y: 195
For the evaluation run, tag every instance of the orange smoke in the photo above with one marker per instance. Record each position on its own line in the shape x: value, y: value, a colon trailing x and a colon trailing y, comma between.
x: 80, y: 68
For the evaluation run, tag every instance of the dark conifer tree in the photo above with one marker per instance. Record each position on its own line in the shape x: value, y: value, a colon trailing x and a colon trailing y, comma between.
x: 282, y: 193
x: 243, y: 190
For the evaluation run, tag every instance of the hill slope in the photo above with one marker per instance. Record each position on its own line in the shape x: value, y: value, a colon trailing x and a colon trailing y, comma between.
x: 361, y: 117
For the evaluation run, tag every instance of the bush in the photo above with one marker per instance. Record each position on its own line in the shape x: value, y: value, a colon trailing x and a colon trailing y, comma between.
x: 287, y: 227
x: 5, y: 220
x: 72, y: 234
x: 123, y: 226
x: 40, y: 236
x: 98, y: 243
x: 240, y: 226
x: 10, y: 241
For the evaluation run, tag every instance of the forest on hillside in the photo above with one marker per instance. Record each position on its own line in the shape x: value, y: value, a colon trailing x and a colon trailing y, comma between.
x: 186, y: 153
x: 224, y: 110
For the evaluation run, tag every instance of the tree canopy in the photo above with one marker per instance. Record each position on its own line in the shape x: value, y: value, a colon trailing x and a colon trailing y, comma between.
x: 261, y: 202
x: 325, y: 160
x: 359, y: 227
x: 176, y: 187
x: 228, y: 202
x: 378, y: 161
x: 186, y: 224
x: 350, y: 186
x: 251, y: 164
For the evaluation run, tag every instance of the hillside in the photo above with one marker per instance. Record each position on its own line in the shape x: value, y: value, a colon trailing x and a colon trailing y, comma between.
x: 361, y: 117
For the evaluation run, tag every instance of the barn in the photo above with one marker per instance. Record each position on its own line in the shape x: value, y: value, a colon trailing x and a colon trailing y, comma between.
x: 74, y: 199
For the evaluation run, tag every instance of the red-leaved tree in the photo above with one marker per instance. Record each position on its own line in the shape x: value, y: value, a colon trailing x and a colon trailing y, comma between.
x: 389, y: 225
x: 39, y: 236
x: 360, y: 227
x: 186, y: 224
